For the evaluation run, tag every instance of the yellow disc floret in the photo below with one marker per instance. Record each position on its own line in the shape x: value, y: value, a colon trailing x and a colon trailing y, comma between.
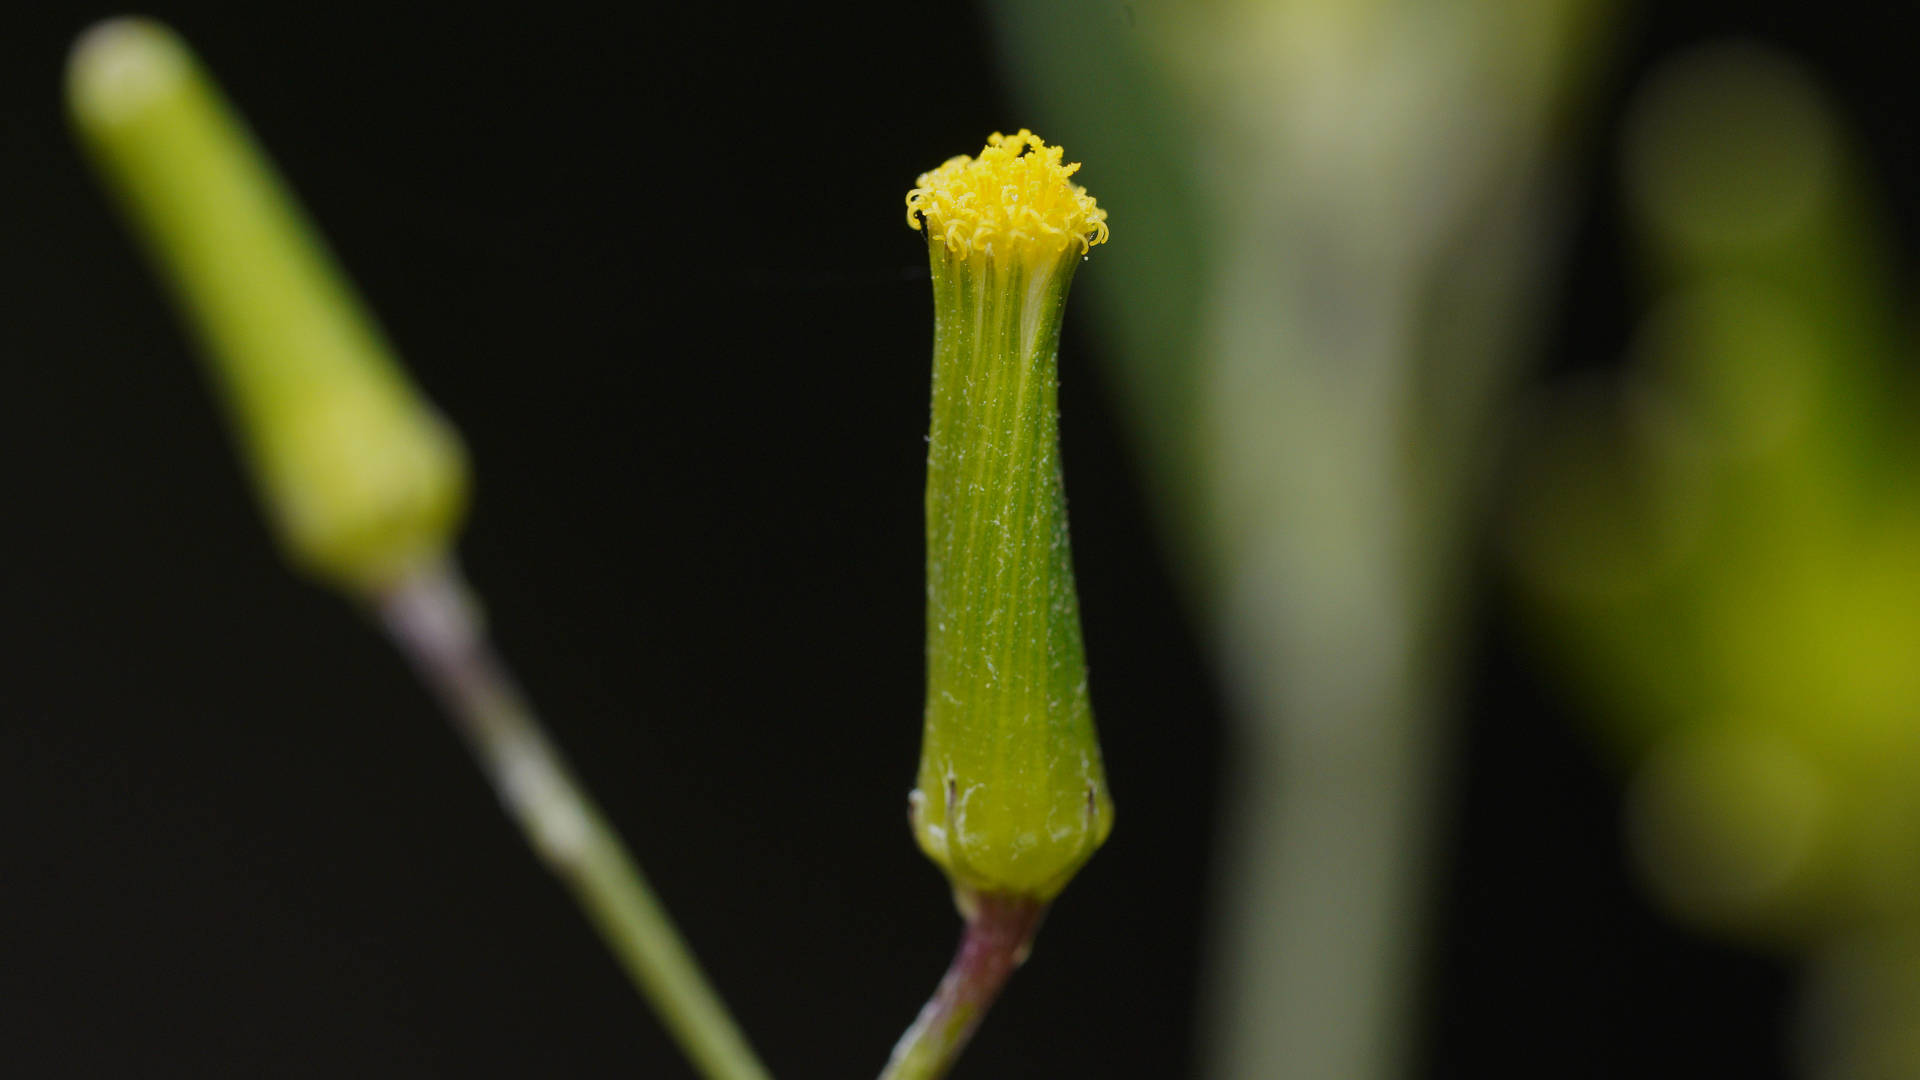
x: 1014, y: 199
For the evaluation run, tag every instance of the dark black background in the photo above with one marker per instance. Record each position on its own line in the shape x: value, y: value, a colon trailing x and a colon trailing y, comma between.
x: 654, y: 264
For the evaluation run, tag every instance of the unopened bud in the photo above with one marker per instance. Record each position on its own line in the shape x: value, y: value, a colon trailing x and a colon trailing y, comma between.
x: 362, y: 478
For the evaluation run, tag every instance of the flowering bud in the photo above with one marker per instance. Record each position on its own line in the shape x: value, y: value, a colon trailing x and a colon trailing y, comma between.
x: 1012, y: 797
x: 363, y: 480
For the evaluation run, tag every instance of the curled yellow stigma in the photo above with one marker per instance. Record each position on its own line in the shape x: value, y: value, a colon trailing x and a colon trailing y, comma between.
x: 1015, y: 198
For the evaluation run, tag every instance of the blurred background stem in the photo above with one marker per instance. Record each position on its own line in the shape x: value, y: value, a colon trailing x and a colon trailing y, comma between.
x: 1337, y: 219
x: 432, y: 619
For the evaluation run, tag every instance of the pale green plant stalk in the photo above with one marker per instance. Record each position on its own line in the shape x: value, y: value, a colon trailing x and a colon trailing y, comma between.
x: 363, y: 480
x: 1340, y: 215
x: 432, y: 619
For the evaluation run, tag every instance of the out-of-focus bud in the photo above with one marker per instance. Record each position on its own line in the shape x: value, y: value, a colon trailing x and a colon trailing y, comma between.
x: 362, y: 478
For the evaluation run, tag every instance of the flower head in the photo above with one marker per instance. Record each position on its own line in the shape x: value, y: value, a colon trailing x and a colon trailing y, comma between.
x: 1014, y: 200
x: 1011, y: 797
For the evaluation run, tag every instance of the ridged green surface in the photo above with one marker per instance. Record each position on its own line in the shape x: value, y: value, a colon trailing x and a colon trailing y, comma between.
x: 1012, y: 796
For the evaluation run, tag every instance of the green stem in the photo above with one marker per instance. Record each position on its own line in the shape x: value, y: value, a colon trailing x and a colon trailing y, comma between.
x: 432, y: 618
x: 999, y: 934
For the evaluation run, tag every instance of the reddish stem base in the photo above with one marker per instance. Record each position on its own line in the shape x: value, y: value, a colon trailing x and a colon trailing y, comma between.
x: 999, y: 934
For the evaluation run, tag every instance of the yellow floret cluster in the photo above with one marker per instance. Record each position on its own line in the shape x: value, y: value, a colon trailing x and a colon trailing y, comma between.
x: 1015, y: 198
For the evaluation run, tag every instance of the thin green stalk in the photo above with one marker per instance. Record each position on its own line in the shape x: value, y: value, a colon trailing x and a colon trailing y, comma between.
x: 999, y: 935
x: 431, y: 617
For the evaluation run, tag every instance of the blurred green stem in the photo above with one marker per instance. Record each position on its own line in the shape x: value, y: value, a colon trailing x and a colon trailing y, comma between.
x: 1337, y: 218
x: 432, y: 618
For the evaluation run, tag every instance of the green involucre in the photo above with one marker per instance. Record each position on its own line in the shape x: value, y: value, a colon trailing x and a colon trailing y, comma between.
x: 1012, y: 795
